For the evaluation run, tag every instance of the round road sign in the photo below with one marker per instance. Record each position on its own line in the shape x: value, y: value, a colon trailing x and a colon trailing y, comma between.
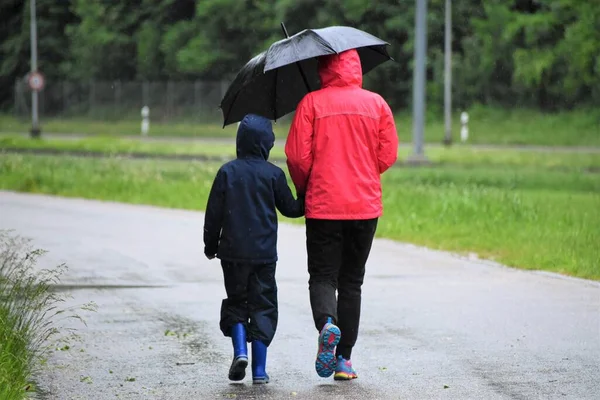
x: 36, y: 81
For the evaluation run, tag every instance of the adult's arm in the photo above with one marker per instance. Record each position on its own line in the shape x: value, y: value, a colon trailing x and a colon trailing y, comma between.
x: 387, y: 152
x: 298, y: 147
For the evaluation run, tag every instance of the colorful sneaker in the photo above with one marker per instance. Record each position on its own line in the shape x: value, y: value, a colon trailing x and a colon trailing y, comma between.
x: 344, y: 370
x: 328, y: 339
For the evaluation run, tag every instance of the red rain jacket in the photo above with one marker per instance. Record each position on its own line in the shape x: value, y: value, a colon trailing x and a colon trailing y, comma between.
x: 341, y: 140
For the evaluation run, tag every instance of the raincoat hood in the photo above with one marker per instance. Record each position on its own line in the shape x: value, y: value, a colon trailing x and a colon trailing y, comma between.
x: 340, y: 70
x: 255, y: 137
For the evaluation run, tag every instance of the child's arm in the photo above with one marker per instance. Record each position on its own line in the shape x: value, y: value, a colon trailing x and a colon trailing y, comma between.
x: 284, y: 199
x: 213, y: 218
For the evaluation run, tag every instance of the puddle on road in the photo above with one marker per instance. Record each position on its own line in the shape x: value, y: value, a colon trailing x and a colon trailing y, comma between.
x: 192, y: 335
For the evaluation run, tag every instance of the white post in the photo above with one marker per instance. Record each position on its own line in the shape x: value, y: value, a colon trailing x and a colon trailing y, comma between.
x: 464, y: 130
x: 145, y: 120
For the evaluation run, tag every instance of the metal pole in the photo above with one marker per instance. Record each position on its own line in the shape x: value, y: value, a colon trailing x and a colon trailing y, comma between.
x: 35, y: 129
x: 17, y: 95
x: 306, y: 84
x: 419, y: 81
x: 448, y: 75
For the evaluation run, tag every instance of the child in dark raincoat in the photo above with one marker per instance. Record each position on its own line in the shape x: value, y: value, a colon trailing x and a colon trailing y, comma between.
x: 240, y: 228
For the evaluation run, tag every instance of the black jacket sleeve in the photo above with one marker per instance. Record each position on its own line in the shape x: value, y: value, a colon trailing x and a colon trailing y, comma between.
x: 284, y: 199
x: 213, y: 218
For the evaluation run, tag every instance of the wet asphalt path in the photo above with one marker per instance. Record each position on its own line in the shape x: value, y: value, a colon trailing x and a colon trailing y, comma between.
x: 435, y: 326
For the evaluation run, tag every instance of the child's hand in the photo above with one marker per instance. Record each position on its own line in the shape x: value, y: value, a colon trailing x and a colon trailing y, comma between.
x: 210, y: 252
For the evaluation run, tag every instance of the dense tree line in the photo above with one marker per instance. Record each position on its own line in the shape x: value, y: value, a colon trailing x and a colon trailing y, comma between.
x: 543, y: 54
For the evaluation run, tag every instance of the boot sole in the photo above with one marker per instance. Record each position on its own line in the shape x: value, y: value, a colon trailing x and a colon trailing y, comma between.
x: 260, y: 381
x: 237, y: 371
x: 326, y: 362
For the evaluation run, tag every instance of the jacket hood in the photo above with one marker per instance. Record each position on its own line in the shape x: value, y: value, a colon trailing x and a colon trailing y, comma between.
x: 339, y: 70
x: 255, y: 137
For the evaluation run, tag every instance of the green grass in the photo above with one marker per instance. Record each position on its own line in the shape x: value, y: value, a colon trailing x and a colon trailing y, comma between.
x: 117, y: 127
x: 115, y: 145
x: 15, y: 357
x: 521, y: 127
x: 459, y: 154
x: 26, y: 309
x: 529, y: 216
x: 29, y: 311
x: 486, y: 126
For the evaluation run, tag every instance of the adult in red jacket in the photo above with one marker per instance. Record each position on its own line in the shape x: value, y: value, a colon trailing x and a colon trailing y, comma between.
x: 341, y: 140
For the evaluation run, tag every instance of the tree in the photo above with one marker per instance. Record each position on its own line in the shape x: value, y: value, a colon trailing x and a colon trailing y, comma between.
x: 154, y: 60
x: 223, y: 36
x: 518, y: 52
x: 15, y: 45
x: 546, y: 55
x: 103, y: 40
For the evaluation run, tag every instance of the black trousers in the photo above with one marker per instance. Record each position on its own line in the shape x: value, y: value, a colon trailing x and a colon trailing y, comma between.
x: 337, y: 254
x: 251, y: 299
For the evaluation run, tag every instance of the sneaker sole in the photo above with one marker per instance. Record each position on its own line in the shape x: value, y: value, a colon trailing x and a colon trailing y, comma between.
x: 342, y: 376
x: 326, y: 362
x: 237, y: 371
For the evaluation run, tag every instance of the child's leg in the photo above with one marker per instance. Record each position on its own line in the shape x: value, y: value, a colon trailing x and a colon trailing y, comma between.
x: 263, y: 311
x: 234, y: 309
x: 234, y: 315
x: 262, y: 303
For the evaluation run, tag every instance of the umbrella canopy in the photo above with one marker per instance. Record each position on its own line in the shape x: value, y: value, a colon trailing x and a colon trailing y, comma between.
x: 273, y: 83
x: 312, y: 43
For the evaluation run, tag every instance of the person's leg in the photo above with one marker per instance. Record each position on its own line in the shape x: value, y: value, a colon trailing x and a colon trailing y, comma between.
x: 324, y: 250
x: 234, y: 309
x: 234, y: 315
x: 262, y: 303
x: 263, y: 312
x: 358, y: 239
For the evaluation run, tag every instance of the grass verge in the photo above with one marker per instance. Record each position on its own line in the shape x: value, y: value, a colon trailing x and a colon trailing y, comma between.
x: 487, y: 125
x: 530, y: 217
x: 462, y: 155
x: 28, y: 312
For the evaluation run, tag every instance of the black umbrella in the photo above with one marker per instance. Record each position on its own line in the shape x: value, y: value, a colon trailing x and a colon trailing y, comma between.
x: 273, y: 83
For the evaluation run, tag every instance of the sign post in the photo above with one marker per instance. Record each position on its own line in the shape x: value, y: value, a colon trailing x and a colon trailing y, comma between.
x: 35, y: 79
x: 448, y: 75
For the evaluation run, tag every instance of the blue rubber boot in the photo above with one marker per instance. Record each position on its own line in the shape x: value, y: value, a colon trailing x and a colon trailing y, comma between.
x: 259, y: 362
x: 237, y: 371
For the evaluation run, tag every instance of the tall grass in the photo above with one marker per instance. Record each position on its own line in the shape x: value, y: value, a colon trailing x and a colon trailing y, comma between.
x: 29, y: 311
x: 460, y: 154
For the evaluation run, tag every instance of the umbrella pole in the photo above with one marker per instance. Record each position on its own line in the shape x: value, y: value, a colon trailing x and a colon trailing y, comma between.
x: 285, y: 32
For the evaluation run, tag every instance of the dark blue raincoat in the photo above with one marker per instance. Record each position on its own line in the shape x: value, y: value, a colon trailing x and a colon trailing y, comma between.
x: 241, y: 220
